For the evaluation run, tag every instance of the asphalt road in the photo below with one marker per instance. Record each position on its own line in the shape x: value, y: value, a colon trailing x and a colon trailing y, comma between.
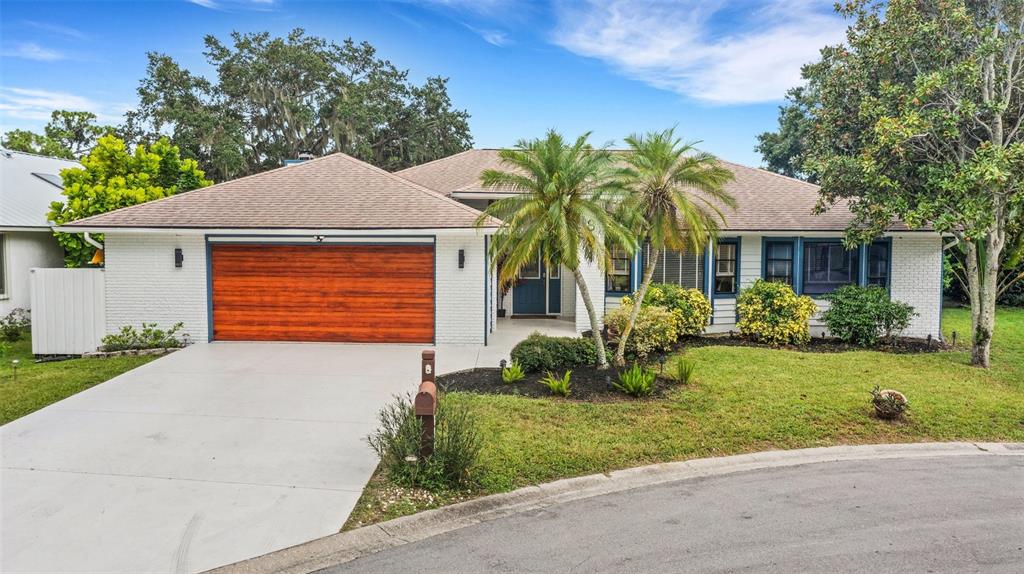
x: 949, y: 514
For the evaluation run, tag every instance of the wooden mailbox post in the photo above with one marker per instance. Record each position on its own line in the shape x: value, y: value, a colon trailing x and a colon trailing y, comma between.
x: 425, y: 404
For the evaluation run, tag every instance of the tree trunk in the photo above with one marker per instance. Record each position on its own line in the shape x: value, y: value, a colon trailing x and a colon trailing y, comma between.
x: 620, y: 352
x: 982, y: 279
x: 602, y: 360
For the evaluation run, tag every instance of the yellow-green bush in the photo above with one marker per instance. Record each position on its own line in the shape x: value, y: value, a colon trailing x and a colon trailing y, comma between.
x: 690, y: 307
x: 655, y: 328
x: 771, y: 312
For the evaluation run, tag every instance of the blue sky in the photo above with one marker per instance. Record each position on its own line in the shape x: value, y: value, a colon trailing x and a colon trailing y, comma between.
x: 716, y: 69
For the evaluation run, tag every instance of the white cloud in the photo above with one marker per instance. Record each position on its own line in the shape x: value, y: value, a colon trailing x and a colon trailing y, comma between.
x: 259, y: 5
x: 58, y: 29
x: 30, y: 108
x: 33, y: 51
x: 719, y: 52
x: 493, y: 37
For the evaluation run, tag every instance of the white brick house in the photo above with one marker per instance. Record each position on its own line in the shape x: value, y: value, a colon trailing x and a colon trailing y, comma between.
x: 773, y: 233
x: 334, y: 249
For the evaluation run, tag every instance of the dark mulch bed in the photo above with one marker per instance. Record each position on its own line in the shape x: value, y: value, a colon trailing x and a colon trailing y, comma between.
x: 821, y: 345
x: 587, y: 383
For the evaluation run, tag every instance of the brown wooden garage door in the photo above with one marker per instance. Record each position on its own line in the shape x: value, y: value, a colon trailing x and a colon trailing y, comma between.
x: 352, y: 293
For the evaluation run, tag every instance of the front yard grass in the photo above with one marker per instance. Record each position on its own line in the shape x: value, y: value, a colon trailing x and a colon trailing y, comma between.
x: 744, y: 399
x: 40, y: 384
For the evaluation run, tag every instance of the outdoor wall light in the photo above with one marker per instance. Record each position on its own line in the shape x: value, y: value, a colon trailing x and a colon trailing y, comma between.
x: 179, y: 258
x: 462, y: 258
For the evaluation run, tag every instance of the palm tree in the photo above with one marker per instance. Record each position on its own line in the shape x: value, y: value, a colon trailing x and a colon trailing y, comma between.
x: 560, y: 210
x: 676, y: 195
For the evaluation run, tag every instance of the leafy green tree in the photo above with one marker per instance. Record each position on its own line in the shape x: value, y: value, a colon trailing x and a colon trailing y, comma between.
x: 31, y: 142
x: 919, y: 121
x: 69, y: 135
x: 276, y: 98
x: 112, y: 177
x: 784, y: 151
x: 75, y: 131
x: 560, y: 210
x: 676, y: 194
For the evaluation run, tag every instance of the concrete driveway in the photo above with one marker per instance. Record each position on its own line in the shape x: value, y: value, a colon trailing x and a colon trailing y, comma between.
x: 208, y: 456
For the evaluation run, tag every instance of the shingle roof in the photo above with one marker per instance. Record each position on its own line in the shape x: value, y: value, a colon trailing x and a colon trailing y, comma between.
x: 766, y: 201
x: 332, y: 192
x: 25, y: 198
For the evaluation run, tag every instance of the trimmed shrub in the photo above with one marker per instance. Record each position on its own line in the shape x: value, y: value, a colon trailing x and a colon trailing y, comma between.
x: 655, y: 329
x: 12, y: 326
x: 539, y: 352
x: 771, y: 312
x: 557, y: 385
x: 862, y: 315
x: 128, y: 338
x: 457, y: 445
x: 512, y: 373
x: 636, y: 381
x: 691, y: 308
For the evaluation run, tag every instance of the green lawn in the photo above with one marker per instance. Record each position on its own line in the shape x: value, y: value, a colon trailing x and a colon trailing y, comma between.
x: 41, y: 384
x: 748, y: 399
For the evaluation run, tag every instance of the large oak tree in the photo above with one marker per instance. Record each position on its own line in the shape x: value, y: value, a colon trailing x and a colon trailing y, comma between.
x: 276, y: 98
x: 919, y: 119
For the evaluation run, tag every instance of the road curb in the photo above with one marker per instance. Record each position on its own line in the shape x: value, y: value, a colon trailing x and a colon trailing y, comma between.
x: 346, y: 546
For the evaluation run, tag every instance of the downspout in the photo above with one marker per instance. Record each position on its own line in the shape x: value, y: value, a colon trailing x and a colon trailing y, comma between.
x: 88, y: 239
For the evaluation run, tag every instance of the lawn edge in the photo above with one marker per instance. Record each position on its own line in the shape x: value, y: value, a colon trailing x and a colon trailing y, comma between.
x: 347, y: 546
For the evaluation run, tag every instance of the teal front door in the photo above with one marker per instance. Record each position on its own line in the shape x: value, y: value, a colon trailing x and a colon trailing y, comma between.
x: 529, y: 291
x: 554, y: 290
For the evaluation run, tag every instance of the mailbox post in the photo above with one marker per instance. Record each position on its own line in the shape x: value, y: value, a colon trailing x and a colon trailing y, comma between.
x: 425, y: 404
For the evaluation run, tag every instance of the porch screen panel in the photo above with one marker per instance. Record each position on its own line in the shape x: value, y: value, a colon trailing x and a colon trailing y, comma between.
x: 673, y: 271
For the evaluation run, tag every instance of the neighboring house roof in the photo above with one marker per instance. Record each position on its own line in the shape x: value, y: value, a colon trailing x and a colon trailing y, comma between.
x: 766, y: 201
x: 332, y: 192
x: 28, y: 184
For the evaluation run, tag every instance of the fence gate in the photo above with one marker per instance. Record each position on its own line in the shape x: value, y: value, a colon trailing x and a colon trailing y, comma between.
x: 68, y: 311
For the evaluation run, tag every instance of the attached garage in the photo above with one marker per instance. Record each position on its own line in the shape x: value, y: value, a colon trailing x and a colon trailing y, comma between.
x: 334, y: 293
x: 328, y: 250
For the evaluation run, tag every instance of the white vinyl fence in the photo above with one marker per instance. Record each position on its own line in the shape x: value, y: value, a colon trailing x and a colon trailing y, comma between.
x: 68, y: 311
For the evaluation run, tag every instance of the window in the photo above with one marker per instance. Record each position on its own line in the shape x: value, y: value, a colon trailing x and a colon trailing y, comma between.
x: 778, y: 261
x: 554, y: 271
x: 678, y: 268
x: 828, y: 265
x: 531, y: 270
x: 3, y: 266
x: 51, y: 179
x: 725, y: 268
x: 878, y: 263
x: 619, y: 278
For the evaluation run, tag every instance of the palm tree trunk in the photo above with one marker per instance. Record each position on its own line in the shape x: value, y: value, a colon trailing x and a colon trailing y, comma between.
x: 620, y: 352
x: 581, y: 284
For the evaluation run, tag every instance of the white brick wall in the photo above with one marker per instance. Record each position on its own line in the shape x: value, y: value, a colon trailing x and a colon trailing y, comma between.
x: 916, y: 279
x: 142, y: 283
x: 460, y: 292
